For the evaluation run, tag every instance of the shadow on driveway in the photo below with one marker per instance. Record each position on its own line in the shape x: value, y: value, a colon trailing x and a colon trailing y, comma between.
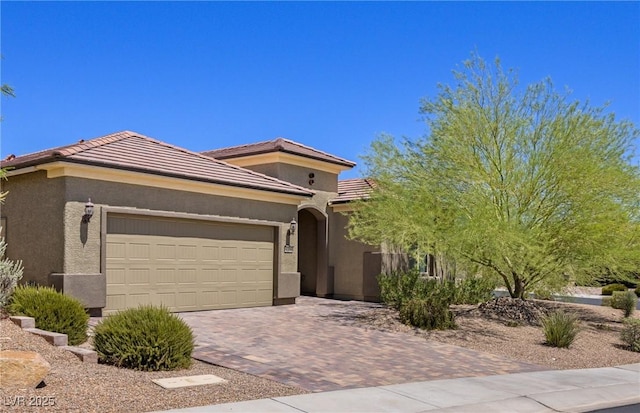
x: 313, y: 346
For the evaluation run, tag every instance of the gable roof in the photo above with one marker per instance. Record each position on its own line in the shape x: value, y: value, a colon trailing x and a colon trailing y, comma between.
x: 132, y: 151
x: 353, y: 189
x: 277, y: 145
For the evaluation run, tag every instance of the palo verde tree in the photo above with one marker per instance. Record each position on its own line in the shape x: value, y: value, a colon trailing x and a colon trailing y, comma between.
x: 515, y: 182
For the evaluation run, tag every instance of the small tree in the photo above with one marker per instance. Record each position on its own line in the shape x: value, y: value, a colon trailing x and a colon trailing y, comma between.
x: 523, y: 184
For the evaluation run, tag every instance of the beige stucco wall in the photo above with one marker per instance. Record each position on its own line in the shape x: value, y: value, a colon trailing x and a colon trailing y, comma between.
x: 142, y: 197
x: 347, y: 259
x: 45, y: 228
x: 81, y: 240
x: 298, y: 175
x: 102, y: 193
x: 34, y: 211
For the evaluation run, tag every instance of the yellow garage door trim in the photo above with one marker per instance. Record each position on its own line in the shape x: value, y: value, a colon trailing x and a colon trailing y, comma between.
x: 187, y: 273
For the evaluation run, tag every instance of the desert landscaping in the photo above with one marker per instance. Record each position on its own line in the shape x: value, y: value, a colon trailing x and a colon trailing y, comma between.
x: 73, y: 385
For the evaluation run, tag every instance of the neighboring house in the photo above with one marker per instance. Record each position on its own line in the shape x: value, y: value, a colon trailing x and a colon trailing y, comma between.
x: 251, y: 225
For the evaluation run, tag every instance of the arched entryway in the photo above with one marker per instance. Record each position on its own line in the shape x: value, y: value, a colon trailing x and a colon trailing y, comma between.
x: 312, y: 253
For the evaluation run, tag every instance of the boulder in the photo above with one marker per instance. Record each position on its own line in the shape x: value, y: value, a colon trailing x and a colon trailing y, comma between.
x: 23, y: 369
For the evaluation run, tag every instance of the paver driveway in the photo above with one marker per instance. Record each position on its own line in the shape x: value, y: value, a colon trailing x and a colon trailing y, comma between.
x: 316, y: 346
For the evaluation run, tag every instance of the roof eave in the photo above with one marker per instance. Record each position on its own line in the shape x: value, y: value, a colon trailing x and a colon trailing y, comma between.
x: 52, y: 159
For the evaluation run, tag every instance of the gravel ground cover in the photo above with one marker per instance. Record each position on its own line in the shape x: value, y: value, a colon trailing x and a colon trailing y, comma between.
x: 73, y: 386
x: 491, y: 330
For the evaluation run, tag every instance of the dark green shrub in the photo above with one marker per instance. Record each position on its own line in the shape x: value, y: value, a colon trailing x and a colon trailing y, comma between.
x: 609, y: 289
x: 625, y: 301
x: 397, y: 287
x: 630, y: 334
x: 427, y: 313
x: 560, y: 329
x: 438, y: 290
x: 52, y: 311
x: 474, y: 290
x: 145, y: 338
x: 637, y: 291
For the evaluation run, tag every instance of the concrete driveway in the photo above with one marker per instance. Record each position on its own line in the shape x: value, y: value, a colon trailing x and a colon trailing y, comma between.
x: 316, y: 345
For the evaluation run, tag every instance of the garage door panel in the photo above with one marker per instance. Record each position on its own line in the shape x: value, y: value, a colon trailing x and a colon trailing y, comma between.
x: 187, y: 252
x: 265, y: 256
x: 228, y: 253
x: 138, y: 251
x: 166, y: 298
x: 186, y: 273
x: 138, y: 277
x: 136, y: 299
x: 116, y: 301
x: 117, y: 276
x: 165, y: 276
x: 116, y: 250
x: 187, y: 276
x: 208, y: 277
x: 164, y: 252
x: 209, y: 253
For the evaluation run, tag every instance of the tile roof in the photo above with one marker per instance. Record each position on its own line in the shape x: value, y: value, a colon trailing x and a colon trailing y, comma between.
x: 353, y: 189
x: 135, y: 152
x: 277, y: 145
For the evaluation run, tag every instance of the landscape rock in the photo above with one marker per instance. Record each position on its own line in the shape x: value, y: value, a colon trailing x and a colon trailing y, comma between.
x: 513, y: 311
x: 22, y: 369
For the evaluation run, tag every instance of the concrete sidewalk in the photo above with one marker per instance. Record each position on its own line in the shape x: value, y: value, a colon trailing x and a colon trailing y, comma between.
x: 541, y: 391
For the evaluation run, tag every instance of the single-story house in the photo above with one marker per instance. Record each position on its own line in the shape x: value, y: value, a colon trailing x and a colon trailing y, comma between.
x: 124, y: 219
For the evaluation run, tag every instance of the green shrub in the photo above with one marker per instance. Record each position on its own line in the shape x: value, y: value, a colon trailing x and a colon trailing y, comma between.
x: 609, y: 289
x: 52, y: 311
x: 625, y: 301
x: 560, y: 329
x: 637, y: 291
x: 630, y: 334
x: 474, y: 290
x: 398, y: 287
x: 145, y: 338
x: 427, y: 313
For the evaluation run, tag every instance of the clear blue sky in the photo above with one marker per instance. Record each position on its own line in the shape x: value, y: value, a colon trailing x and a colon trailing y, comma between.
x: 332, y: 75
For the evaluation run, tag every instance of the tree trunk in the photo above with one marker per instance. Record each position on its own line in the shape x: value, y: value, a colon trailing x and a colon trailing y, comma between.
x: 518, y: 291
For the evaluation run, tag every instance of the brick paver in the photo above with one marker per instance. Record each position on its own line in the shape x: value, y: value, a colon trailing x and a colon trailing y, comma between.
x: 316, y: 345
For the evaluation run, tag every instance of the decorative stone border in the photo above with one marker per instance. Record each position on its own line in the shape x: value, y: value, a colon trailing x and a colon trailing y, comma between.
x: 56, y: 339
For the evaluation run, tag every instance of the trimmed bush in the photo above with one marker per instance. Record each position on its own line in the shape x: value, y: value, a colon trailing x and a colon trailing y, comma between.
x: 145, y: 338
x: 429, y: 314
x: 560, y: 329
x: 609, y: 289
x: 625, y: 301
x: 52, y: 311
x: 630, y: 334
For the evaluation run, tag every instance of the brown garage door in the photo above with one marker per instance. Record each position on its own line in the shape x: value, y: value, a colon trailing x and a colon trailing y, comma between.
x: 187, y: 265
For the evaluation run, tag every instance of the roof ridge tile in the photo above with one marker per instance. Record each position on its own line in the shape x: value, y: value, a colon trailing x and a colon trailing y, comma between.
x: 278, y: 144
